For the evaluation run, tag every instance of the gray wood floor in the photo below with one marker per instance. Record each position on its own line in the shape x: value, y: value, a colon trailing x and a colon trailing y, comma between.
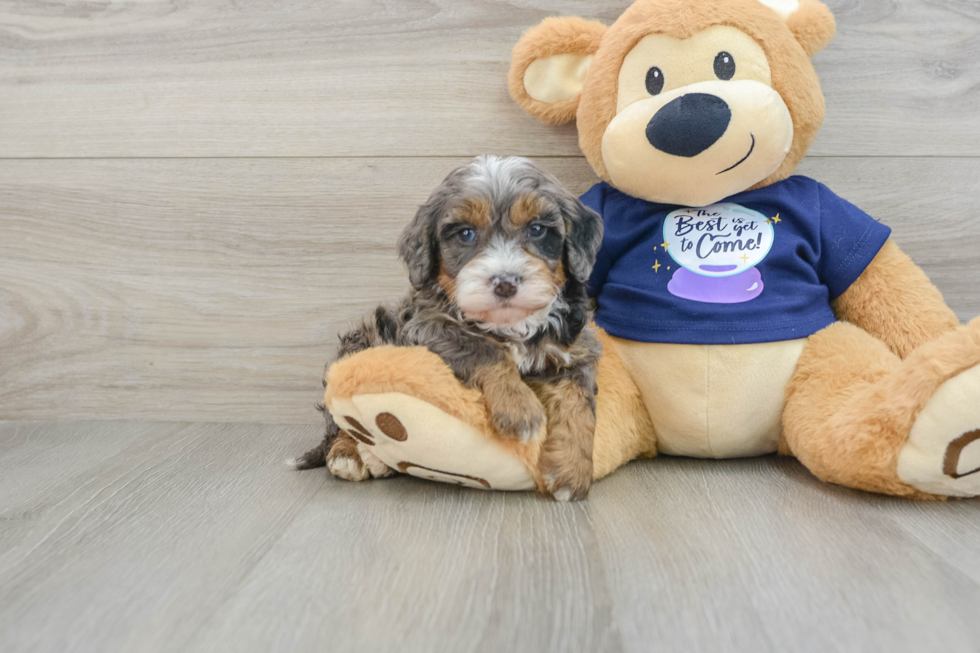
x: 139, y: 536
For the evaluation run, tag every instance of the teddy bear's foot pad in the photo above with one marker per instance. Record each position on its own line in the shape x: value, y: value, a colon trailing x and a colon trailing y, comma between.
x: 414, y: 437
x: 942, y: 455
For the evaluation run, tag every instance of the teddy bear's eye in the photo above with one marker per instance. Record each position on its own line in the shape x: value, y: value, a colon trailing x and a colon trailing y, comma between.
x: 655, y: 81
x: 724, y: 65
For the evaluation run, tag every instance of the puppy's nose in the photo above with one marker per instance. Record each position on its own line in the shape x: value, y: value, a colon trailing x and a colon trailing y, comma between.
x: 504, y: 287
x: 690, y: 124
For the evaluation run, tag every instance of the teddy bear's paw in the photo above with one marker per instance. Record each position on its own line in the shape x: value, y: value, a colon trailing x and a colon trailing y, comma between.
x: 349, y: 468
x: 942, y: 455
x: 396, y: 432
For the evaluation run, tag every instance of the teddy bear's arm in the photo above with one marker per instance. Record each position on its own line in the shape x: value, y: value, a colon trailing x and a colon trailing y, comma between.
x: 894, y: 301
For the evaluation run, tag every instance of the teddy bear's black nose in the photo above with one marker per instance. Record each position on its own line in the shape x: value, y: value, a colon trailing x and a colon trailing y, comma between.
x: 688, y: 125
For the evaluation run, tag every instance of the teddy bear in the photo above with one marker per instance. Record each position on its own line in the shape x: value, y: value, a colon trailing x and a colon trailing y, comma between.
x: 742, y: 310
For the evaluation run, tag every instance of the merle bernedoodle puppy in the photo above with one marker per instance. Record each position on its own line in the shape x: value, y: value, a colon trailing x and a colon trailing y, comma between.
x: 498, y: 258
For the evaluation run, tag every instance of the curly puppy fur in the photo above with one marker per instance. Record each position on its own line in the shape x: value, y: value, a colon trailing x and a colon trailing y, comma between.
x: 499, y: 258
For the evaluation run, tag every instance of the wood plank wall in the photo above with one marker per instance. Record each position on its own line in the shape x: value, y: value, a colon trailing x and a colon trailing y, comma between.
x: 195, y: 197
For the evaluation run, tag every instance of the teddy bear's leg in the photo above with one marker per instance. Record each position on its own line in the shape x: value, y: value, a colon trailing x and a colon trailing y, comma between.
x: 623, y: 428
x: 859, y: 416
x: 403, y: 404
x: 402, y: 407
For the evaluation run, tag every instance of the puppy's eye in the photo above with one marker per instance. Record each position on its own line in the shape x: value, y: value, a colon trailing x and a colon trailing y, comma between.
x: 655, y: 81
x: 536, y: 230
x: 724, y: 65
x: 466, y: 235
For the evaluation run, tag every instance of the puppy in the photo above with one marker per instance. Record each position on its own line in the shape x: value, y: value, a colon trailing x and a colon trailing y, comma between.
x: 498, y: 258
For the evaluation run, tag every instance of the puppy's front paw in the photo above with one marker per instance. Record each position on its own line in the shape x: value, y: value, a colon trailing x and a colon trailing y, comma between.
x: 516, y: 412
x: 348, y: 467
x: 375, y: 467
x: 566, y: 478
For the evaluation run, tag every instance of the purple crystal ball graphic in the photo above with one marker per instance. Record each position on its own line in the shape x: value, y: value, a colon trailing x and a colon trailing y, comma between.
x: 735, y: 289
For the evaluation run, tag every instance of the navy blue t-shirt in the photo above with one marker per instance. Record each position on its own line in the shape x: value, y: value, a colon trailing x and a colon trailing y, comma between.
x: 760, y: 266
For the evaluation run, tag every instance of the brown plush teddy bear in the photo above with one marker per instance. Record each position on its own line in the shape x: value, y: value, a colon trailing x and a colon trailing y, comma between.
x: 747, y: 311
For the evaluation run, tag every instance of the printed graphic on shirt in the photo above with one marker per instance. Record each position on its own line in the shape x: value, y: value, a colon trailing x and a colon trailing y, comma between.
x: 718, y: 248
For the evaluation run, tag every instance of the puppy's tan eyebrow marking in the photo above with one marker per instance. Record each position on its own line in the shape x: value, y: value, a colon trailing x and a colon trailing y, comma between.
x: 475, y: 211
x: 524, y: 209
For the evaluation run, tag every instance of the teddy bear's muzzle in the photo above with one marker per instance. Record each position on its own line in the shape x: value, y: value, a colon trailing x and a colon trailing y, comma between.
x: 688, y: 125
x: 697, y: 144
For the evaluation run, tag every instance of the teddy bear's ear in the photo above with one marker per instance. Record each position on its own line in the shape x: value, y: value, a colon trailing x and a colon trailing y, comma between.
x: 549, y: 65
x: 811, y: 22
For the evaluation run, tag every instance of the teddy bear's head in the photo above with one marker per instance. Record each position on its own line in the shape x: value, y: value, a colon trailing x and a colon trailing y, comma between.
x: 682, y: 101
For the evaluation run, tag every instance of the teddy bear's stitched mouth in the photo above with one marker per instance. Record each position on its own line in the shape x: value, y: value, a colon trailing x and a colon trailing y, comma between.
x: 742, y: 160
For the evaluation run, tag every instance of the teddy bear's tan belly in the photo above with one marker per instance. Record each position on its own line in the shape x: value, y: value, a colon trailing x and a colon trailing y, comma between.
x: 713, y: 401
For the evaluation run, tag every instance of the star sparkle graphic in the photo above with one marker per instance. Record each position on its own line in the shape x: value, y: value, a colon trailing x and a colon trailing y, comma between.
x: 656, y: 266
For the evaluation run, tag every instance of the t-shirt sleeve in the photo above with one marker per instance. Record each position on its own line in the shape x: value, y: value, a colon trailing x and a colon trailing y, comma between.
x: 849, y: 241
x: 594, y: 198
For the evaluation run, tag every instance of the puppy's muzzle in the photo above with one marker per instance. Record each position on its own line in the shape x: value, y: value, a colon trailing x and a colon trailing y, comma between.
x: 505, y: 286
x: 690, y: 124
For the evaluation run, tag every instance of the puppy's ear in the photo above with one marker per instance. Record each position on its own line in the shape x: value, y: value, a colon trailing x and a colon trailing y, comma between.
x: 583, y: 229
x: 417, y: 245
